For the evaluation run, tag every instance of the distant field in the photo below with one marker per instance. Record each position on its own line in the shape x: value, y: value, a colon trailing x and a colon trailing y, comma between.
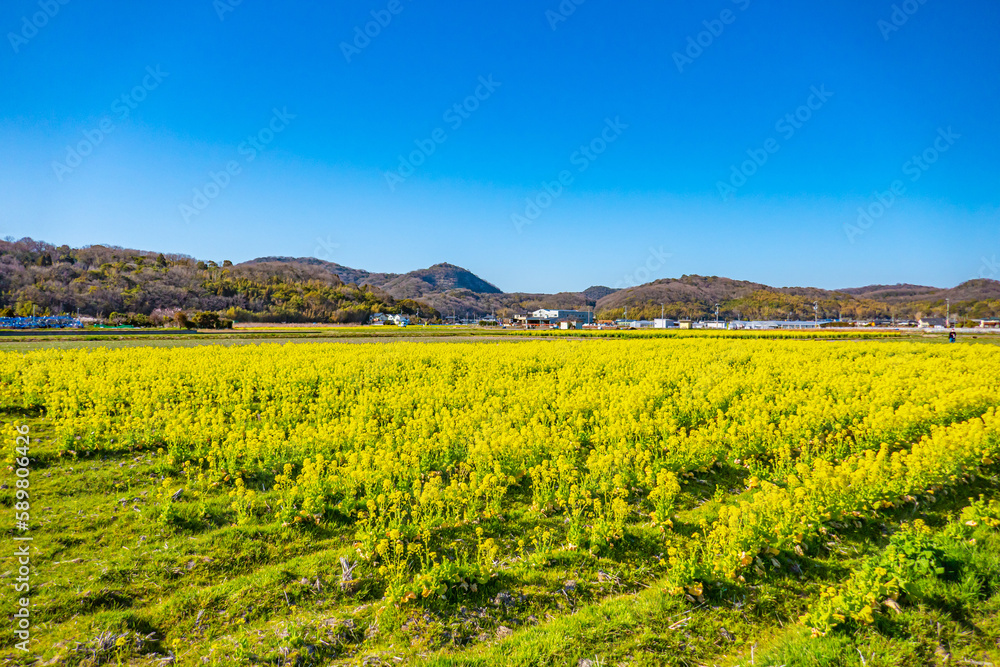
x: 688, y: 499
x: 282, y: 334
x: 312, y: 334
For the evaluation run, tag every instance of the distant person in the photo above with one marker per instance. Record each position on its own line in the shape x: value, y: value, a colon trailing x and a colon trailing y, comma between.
x: 952, y: 336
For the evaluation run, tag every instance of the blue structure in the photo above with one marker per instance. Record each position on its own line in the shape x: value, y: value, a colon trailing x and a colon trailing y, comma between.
x: 61, y: 322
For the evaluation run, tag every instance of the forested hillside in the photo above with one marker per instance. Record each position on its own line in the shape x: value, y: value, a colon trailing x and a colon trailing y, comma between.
x: 101, y: 280
x: 696, y: 297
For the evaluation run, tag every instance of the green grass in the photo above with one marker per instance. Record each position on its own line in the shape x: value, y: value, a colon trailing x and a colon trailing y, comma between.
x: 210, y: 592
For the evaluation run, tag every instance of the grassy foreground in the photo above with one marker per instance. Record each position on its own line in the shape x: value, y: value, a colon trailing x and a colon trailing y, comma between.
x: 116, y: 588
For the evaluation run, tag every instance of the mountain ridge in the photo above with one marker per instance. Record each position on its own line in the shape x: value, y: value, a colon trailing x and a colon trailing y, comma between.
x: 43, y: 274
x: 686, y: 296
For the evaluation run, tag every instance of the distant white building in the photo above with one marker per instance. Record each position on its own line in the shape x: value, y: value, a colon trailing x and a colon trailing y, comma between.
x: 381, y: 319
x: 660, y: 323
x: 584, y: 316
x: 635, y: 324
x: 778, y: 324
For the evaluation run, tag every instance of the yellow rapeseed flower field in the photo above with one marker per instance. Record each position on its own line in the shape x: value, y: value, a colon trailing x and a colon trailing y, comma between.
x: 450, y: 466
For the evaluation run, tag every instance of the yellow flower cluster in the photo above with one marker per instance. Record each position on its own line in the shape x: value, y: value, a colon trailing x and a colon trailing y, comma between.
x: 879, y: 581
x: 781, y: 517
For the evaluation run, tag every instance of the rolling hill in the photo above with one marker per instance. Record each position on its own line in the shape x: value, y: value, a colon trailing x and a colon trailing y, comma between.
x: 96, y: 280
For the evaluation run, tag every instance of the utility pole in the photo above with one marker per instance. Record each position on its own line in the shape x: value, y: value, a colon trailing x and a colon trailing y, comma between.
x: 716, y: 313
x: 661, y: 311
x: 947, y: 320
x: 816, y: 312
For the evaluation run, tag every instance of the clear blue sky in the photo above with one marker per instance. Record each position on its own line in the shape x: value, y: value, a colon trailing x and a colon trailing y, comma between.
x: 319, y: 185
